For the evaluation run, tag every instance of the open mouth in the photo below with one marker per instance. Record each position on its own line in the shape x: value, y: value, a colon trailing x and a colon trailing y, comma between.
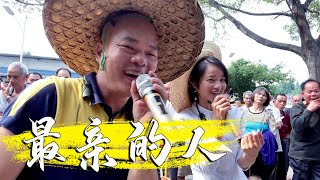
x: 132, y: 74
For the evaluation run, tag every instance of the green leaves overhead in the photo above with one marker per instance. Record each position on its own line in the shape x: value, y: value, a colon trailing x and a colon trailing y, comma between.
x: 245, y: 75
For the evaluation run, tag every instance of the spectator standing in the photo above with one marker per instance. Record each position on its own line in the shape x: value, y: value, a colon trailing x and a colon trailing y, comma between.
x: 33, y: 77
x: 247, y: 99
x: 284, y: 130
x: 295, y: 99
x: 17, y: 76
x: 304, y: 149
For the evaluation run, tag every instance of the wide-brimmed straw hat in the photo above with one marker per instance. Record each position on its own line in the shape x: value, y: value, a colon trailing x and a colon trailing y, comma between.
x: 73, y: 29
x: 178, y: 92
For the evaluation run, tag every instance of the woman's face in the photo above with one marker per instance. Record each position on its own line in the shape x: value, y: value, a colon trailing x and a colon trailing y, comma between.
x: 260, y: 98
x: 212, y: 83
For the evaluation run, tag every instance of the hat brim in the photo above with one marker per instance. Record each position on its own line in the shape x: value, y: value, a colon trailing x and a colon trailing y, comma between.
x: 72, y: 28
x: 178, y: 92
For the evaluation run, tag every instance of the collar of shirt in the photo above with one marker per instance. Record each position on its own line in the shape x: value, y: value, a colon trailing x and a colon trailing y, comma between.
x: 91, y: 91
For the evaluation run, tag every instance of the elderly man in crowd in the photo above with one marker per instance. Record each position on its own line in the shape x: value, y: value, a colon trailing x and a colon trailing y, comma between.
x: 17, y: 76
x: 284, y: 130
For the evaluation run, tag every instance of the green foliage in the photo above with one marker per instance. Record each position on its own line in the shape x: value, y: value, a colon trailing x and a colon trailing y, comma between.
x: 290, y: 87
x: 245, y: 75
x: 28, y: 53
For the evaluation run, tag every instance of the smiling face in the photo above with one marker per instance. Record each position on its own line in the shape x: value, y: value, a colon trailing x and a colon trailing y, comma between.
x: 212, y: 83
x: 311, y: 91
x: 131, y: 49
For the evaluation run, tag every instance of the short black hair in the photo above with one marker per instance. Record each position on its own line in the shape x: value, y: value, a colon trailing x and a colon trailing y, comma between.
x: 198, y: 71
x: 276, y: 96
x: 259, y: 89
x: 57, y: 71
x: 303, y: 84
x: 36, y: 73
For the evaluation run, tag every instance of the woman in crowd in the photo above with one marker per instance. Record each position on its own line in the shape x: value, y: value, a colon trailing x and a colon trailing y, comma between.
x: 200, y: 94
x: 258, y: 118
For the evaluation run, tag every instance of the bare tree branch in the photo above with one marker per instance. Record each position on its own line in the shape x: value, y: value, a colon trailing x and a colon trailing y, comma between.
x: 302, y: 23
x: 254, y: 14
x: 254, y: 36
x: 32, y: 4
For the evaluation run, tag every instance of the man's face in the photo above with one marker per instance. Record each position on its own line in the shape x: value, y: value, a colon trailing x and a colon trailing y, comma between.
x: 16, y: 78
x: 311, y: 92
x: 131, y: 50
x: 238, y: 103
x: 295, y: 99
x: 247, y: 100
x: 33, y: 78
x: 280, y: 102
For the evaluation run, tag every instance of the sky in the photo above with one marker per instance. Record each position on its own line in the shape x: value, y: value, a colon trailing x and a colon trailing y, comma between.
x: 236, y: 43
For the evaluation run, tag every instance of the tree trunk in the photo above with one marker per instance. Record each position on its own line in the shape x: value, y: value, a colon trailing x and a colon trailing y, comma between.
x: 312, y: 59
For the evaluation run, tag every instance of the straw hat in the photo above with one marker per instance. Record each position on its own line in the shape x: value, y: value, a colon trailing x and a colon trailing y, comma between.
x: 73, y: 29
x: 178, y: 93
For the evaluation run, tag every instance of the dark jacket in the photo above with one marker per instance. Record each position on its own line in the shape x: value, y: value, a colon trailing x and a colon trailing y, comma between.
x: 286, y: 127
x: 305, y: 134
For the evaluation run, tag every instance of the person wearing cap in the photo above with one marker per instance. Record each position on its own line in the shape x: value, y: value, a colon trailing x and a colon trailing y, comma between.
x: 200, y: 93
x: 110, y: 43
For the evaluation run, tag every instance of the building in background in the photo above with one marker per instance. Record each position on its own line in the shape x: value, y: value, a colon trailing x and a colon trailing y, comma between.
x: 46, y: 66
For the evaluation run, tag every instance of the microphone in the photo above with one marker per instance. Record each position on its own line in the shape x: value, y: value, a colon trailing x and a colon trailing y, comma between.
x: 152, y: 98
x: 10, y: 91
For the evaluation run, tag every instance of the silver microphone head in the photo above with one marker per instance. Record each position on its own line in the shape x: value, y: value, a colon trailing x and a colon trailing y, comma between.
x: 144, y: 84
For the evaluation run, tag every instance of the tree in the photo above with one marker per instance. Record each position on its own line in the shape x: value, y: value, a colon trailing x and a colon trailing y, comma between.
x: 245, y: 75
x: 26, y: 6
x: 303, y: 20
x: 28, y: 53
x: 290, y: 87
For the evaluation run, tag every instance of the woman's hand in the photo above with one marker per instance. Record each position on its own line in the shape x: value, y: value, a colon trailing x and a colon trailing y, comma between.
x: 220, y: 106
x: 251, y: 145
x: 140, y: 110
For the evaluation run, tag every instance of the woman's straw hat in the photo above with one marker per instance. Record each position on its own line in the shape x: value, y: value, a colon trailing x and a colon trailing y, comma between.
x: 73, y: 29
x: 178, y: 92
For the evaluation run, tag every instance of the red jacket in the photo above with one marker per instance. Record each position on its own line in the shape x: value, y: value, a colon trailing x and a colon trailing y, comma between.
x: 286, y: 127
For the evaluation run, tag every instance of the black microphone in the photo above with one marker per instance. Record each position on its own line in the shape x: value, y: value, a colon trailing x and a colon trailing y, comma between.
x: 152, y: 98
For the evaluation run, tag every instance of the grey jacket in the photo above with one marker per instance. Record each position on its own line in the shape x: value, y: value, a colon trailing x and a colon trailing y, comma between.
x: 305, y: 134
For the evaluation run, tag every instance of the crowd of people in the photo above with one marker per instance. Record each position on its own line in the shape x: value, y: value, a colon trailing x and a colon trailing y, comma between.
x: 128, y: 39
x: 19, y: 78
